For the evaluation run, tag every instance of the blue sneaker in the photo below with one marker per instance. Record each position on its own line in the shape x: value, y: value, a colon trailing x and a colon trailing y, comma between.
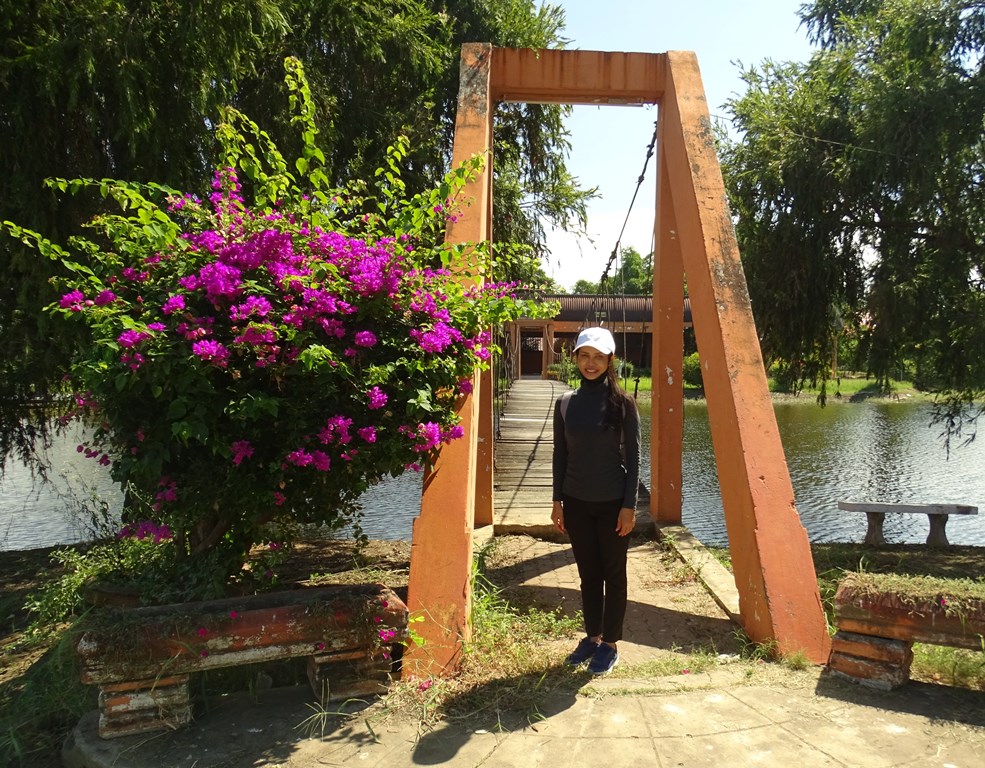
x: 603, y: 660
x: 586, y: 649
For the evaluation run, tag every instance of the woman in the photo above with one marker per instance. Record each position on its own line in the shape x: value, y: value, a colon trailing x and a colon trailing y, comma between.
x: 596, y: 472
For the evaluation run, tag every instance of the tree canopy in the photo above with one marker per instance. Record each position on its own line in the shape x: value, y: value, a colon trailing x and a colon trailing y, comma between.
x: 857, y: 189
x: 633, y: 276
x: 134, y: 90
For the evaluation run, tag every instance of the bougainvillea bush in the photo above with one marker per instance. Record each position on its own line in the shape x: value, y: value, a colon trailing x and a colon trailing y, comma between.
x: 262, y: 354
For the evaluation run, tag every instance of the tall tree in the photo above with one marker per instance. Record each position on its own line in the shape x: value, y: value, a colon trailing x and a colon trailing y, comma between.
x: 133, y: 90
x: 857, y: 185
x: 99, y: 88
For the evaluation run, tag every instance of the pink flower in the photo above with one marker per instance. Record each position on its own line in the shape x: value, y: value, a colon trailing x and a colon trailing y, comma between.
x: 130, y: 338
x: 233, y: 615
x: 174, y: 304
x: 300, y: 458
x: 202, y: 632
x: 242, y: 449
x: 367, y: 433
x: 73, y: 301
x: 211, y: 351
x: 377, y: 398
x: 365, y: 339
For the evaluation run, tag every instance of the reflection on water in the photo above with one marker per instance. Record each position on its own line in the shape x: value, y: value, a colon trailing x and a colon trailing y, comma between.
x: 860, y: 452
x: 33, y: 514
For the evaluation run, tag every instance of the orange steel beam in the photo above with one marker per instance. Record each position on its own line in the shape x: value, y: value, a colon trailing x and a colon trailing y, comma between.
x: 667, y: 403
x: 577, y: 77
x: 484, y: 480
x: 441, y: 549
x: 771, y: 556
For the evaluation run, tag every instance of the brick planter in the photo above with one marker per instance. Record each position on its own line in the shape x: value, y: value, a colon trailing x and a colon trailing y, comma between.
x: 142, y: 658
x: 877, y: 626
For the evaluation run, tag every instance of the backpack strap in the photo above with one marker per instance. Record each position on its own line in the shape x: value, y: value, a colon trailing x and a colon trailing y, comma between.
x: 565, y: 400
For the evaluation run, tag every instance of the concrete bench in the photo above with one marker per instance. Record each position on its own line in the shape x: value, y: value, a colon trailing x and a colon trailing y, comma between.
x: 878, y: 618
x: 142, y: 658
x: 875, y: 513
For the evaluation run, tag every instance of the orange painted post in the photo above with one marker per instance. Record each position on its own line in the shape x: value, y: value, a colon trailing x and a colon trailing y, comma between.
x: 667, y: 405
x: 484, y: 452
x: 441, y: 549
x: 548, y: 354
x: 771, y: 556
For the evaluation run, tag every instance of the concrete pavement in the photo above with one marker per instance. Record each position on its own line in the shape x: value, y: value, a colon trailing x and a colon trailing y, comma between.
x: 709, y: 720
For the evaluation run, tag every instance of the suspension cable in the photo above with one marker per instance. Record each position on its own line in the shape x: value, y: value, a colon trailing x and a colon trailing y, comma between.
x: 615, y: 250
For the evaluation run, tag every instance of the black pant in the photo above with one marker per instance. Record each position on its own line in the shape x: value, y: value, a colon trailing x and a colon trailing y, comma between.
x: 600, y: 554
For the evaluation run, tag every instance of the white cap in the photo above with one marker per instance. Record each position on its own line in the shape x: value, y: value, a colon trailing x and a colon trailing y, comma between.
x: 598, y: 338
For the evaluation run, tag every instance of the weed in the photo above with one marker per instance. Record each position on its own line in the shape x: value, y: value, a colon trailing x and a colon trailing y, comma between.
x: 317, y: 723
x: 951, y: 666
x: 796, y: 661
x: 39, y: 707
x: 750, y: 650
x: 671, y: 664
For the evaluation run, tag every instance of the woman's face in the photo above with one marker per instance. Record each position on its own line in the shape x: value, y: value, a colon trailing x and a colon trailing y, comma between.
x: 591, y: 362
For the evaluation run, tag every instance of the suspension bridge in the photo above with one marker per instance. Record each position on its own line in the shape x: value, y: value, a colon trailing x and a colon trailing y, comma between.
x: 522, y: 465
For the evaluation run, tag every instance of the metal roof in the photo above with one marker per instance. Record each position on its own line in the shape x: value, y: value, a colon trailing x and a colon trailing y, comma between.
x: 596, y: 308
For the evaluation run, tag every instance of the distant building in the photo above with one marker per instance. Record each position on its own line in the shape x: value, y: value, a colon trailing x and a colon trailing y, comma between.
x: 539, y: 343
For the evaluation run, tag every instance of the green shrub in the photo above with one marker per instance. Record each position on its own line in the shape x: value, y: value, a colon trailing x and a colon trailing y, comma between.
x: 692, y: 371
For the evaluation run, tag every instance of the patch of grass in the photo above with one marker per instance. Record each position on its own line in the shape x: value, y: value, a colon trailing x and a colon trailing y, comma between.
x: 797, y: 661
x: 509, y: 666
x: 39, y: 707
x: 854, y: 388
x: 670, y: 665
x: 723, y: 555
x: 958, y: 667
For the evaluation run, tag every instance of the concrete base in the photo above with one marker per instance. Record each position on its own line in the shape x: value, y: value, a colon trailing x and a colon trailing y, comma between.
x: 716, y: 578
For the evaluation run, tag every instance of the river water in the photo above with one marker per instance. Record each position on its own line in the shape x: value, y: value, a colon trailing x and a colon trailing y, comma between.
x: 860, y: 452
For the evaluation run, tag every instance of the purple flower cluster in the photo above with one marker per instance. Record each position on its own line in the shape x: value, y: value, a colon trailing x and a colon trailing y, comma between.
x: 145, y: 529
x: 429, y: 435
x: 242, y: 450
x: 286, y: 320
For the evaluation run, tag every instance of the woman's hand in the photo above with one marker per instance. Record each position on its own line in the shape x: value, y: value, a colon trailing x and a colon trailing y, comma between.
x: 557, y: 516
x: 626, y: 522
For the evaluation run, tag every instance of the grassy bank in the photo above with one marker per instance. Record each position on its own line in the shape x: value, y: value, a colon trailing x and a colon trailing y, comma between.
x: 847, y: 389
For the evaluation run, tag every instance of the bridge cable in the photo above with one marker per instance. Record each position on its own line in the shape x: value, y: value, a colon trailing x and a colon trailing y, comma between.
x: 592, y: 311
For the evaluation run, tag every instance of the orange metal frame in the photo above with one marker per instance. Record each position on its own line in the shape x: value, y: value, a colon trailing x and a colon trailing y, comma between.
x: 774, y: 571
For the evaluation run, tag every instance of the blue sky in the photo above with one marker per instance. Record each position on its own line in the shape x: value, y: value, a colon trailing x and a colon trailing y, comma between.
x: 609, y: 143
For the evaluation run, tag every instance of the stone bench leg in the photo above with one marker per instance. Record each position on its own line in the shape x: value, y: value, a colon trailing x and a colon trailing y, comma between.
x: 162, y: 704
x: 875, y: 662
x: 937, y: 537
x: 873, y: 535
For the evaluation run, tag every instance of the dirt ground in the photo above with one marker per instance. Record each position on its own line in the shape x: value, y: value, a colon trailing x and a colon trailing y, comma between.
x: 666, y: 581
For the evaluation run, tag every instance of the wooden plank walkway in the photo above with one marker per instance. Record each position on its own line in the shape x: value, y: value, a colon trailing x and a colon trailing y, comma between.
x: 522, y: 481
